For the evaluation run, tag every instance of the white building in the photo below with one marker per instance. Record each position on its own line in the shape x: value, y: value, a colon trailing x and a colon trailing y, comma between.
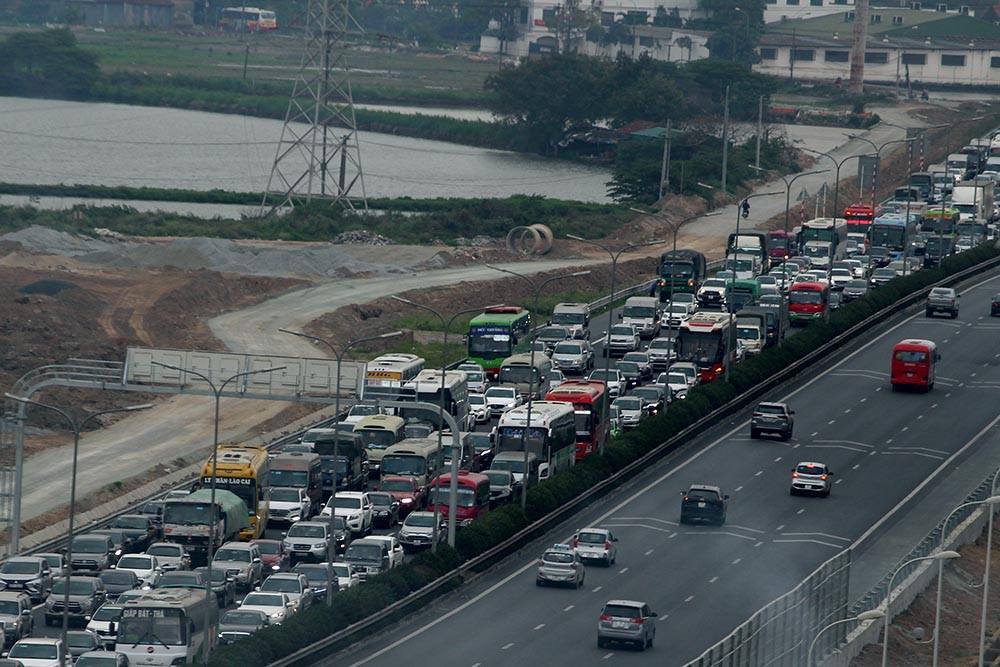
x: 784, y: 10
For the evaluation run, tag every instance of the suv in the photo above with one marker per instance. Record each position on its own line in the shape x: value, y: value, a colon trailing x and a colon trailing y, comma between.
x: 30, y: 574
x: 417, y: 531
x: 86, y: 594
x: 289, y: 504
x: 811, y: 477
x: 573, y: 356
x: 661, y: 352
x: 91, y: 553
x: 307, y: 539
x: 240, y: 560
x: 626, y: 621
x: 704, y: 503
x: 39, y: 652
x: 368, y: 557
x: 942, y: 300
x: 622, y: 338
x: 15, y: 615
x: 773, y: 418
x: 356, y: 509
x: 293, y: 584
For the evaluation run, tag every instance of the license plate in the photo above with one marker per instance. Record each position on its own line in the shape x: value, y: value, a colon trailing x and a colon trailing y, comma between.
x: 619, y: 624
x: 700, y: 505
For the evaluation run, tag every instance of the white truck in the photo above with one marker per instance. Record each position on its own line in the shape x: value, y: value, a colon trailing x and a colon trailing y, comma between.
x: 820, y: 253
x: 573, y: 316
x: 974, y: 201
x: 643, y: 313
x: 958, y: 166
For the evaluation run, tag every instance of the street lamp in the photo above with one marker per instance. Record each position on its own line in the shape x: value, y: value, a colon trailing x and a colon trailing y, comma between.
x: 217, y: 391
x: 986, y: 572
x: 611, y: 302
x: 863, y: 617
x: 991, y: 501
x: 940, y: 556
x: 836, y: 183
x: 331, y: 546
x: 878, y: 155
x: 77, y: 427
x: 453, y: 482
x: 537, y: 289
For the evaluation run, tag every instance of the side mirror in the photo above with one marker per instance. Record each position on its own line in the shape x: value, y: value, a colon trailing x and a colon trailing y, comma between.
x: 653, y: 614
x: 791, y: 412
x: 614, y: 539
x: 256, y: 588
x: 725, y: 497
x: 829, y: 473
x: 619, y: 316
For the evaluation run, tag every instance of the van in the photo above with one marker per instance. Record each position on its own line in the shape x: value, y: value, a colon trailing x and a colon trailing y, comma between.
x: 514, y: 462
x: 573, y: 316
x: 913, y: 364
x: 958, y: 166
x: 515, y: 371
x: 643, y: 313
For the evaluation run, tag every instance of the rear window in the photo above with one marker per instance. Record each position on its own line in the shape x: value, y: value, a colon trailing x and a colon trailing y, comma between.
x: 911, y: 356
x: 810, y: 470
x: 591, y: 538
x: 770, y: 410
x: 621, y: 611
x: 702, y: 494
x: 560, y: 557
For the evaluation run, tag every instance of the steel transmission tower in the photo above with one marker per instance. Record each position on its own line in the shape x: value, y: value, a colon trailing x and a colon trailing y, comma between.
x: 318, y: 155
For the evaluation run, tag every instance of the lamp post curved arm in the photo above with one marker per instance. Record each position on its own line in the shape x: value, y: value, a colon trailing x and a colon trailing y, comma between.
x: 836, y: 183
x: 863, y: 617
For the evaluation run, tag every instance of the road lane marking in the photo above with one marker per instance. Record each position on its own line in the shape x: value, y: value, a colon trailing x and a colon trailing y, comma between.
x: 796, y: 446
x: 539, y: 626
x: 597, y: 589
x: 637, y: 525
x: 904, y: 429
x: 839, y: 480
x: 506, y: 646
x: 855, y: 466
x: 827, y: 535
x: 825, y: 544
x: 568, y: 607
x: 736, y: 562
x: 863, y: 400
x: 672, y: 536
x: 758, y: 544
x: 878, y: 388
x: 737, y: 488
x: 934, y: 405
x: 623, y: 570
x: 777, y: 459
x: 759, y: 473
x: 832, y: 421
x: 713, y: 580
x: 919, y: 417
x: 749, y: 530
x: 801, y: 510
x: 847, y: 411
x: 648, y: 552
x: 689, y: 598
x: 889, y: 441
x: 648, y: 518
x: 780, y: 527
x: 607, y: 655
x: 718, y: 532
x: 814, y: 434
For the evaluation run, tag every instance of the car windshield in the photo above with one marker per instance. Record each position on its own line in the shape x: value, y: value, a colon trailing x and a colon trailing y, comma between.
x: 420, y: 520
x: 647, y: 393
x: 553, y: 333
x: 79, y: 639
x: 501, y: 392
x: 474, y: 377
x: 280, y: 585
x: 135, y: 563
x: 381, y: 499
x: 107, y: 613
x: 20, y: 567
x: 941, y: 291
x: 364, y: 410
x: 558, y: 557
x: 237, y: 617
x: 122, y: 577
x: 661, y: 344
x: 805, y: 296
x: 89, y: 545
x: 628, y: 403
x: 314, y: 574
x: 498, y: 477
x: 841, y: 273
x: 263, y: 600
x: 676, y: 378
x: 620, y: 330
x: 568, y: 348
x: 346, y: 503
x: 884, y: 273
x: 76, y: 587
x: 305, y: 530
x: 609, y: 376
x: 285, y: 495
x: 621, y: 611
x: 235, y: 555
x: 268, y: 547
x: 180, y: 578
x: 477, y: 399
x: 628, y: 367
x: 341, y: 569
x: 858, y: 284
x: 358, y: 551
x: 22, y: 650
x: 167, y: 550
x: 568, y: 318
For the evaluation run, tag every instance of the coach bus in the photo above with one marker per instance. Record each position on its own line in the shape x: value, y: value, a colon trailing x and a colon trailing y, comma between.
x: 247, y: 19
x: 243, y: 470
x: 495, y: 334
x: 589, y: 400
x: 550, y: 437
x: 167, y: 627
x: 385, y: 375
x: 426, y: 388
x: 702, y: 339
x: 420, y: 458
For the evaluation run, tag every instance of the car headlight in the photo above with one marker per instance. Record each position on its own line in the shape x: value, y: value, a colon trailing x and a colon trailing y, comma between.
x: 276, y: 615
x: 406, y: 501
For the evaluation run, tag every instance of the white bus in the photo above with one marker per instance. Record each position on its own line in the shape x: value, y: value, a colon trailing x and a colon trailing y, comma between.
x: 167, y: 627
x: 387, y: 374
x: 421, y: 458
x: 551, y: 436
x: 247, y: 19
x: 426, y: 388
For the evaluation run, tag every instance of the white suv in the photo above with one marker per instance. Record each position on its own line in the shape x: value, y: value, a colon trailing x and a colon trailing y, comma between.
x: 624, y: 338
x: 355, y: 507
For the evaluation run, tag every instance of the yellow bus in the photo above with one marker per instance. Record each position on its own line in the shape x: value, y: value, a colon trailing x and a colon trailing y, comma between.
x: 242, y: 469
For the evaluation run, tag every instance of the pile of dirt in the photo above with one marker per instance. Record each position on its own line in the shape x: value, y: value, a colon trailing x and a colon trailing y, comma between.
x: 361, y: 237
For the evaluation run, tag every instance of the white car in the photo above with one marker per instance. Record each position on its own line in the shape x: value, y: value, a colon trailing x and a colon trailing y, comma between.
x: 857, y: 267
x: 359, y: 411
x: 767, y: 280
x: 277, y: 606
x: 596, y: 544
x: 475, y: 377
x: 675, y: 382
x: 37, y: 652
x: 629, y: 410
x: 675, y: 314
x: 478, y: 408
x: 573, y: 355
x: 501, y: 399
x: 685, y: 297
x: 346, y: 576
x: 689, y: 369
x: 613, y: 378
x: 146, y: 567
x: 100, y: 623
x: 623, y: 338
x: 289, y: 504
x: 170, y: 556
x: 661, y: 351
x: 356, y: 509
x: 840, y: 277
x: 293, y: 584
x: 811, y: 477
x: 394, y: 547
x: 712, y: 293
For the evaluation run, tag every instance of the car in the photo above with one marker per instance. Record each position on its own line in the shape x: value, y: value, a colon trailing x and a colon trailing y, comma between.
x: 879, y: 256
x: 626, y: 621
x: 316, y: 575
x: 503, y: 487
x: 560, y: 565
x: 474, y: 378
x: 105, y: 658
x: 772, y: 418
x: 661, y: 352
x: 182, y: 579
x: 139, y: 528
x: 689, y: 369
x: 82, y: 641
x: 622, y: 338
x: 835, y: 299
x: 277, y: 606
x: 405, y: 490
x: 154, y: 510
x: 92, y: 554
x: 811, y: 477
x: 840, y: 277
x: 38, y: 652
x: 308, y: 540
x: 370, y: 556
x: 289, y: 504
x: 942, y: 300
x: 15, y: 615
x: 556, y: 377
x: 104, y: 623
x: 273, y: 555
x: 675, y: 314
x: 704, y: 503
x: 596, y: 544
x: 631, y: 372
x: 630, y: 409
x: 117, y: 582
x: 573, y: 356
x: 995, y: 305
x: 855, y: 289
x: 385, y: 509
x: 293, y: 584
x: 356, y: 509
x: 550, y: 335
x: 238, y: 624
x: 170, y: 556
x: 359, y: 411
x: 767, y: 280
x: 640, y: 359
x: 478, y: 408
x: 881, y: 276
x: 770, y: 301
x: 653, y: 398
x: 851, y: 248
x: 712, y: 293
x: 675, y: 383
x: 613, y: 378
x: 85, y: 595
x: 346, y: 575
x: 30, y: 574
x: 120, y: 540
x: 417, y: 531
x: 501, y: 399
x: 56, y: 561
x: 395, y: 549
x: 241, y: 560
x: 146, y: 567
x: 223, y: 585
x: 856, y: 267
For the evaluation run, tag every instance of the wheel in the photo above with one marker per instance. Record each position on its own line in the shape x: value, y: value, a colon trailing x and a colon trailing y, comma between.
x: 954, y: 315
x: 601, y: 643
x: 792, y: 492
x: 826, y: 493
x: 538, y: 582
x: 929, y: 313
x: 643, y: 644
x: 785, y: 437
x: 651, y: 638
x: 754, y: 434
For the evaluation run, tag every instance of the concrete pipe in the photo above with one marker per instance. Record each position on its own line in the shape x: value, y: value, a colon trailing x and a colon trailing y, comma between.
x: 547, y: 238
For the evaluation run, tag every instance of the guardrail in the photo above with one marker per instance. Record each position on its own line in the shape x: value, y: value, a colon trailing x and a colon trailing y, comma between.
x: 714, y: 656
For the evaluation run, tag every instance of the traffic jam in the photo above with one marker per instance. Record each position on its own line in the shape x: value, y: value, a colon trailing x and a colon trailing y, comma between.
x: 272, y: 530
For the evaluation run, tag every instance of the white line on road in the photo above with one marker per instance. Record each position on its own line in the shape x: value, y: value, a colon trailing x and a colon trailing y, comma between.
x: 648, y: 552
x: 904, y: 429
x: 597, y: 589
x: 737, y: 488
x: 713, y: 580
x: 758, y: 473
x: 569, y: 607
x: 814, y: 434
x: 506, y: 646
x: 607, y: 655
x: 672, y: 536
x: 717, y: 532
x: 878, y: 388
x: 796, y: 446
x: 825, y: 544
x: 801, y: 510
x: 623, y: 570
x: 863, y: 400
x: 832, y: 537
x: 736, y: 562
x: 847, y: 411
x: 855, y: 466
x: 777, y: 459
x: 539, y: 626
x: 758, y: 544
x: 832, y: 421
x: 749, y: 530
x: 637, y: 525
x: 780, y: 527
x: 647, y: 518
x: 889, y: 441
x: 839, y: 480
x: 689, y: 598
x: 934, y: 405
x: 919, y: 417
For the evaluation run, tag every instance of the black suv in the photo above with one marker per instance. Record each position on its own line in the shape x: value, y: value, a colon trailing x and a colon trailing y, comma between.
x: 774, y: 418
x: 703, y: 503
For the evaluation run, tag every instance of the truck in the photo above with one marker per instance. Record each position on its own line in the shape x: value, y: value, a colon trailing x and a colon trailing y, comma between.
x: 774, y: 319
x: 753, y: 242
x: 680, y: 271
x: 924, y: 182
x: 188, y: 520
x: 974, y: 201
x: 342, y: 460
x: 958, y: 166
x: 751, y: 330
x: 820, y: 253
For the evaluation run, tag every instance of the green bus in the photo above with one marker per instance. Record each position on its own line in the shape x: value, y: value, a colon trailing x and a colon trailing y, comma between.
x: 495, y: 334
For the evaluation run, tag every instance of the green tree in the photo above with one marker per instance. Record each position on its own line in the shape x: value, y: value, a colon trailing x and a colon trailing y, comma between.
x: 46, y: 63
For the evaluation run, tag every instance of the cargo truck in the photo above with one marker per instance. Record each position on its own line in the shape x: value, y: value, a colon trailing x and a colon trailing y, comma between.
x: 188, y: 520
x: 974, y: 201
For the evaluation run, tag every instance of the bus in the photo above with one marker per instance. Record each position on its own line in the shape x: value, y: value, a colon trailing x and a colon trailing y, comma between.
x: 913, y: 364
x: 385, y: 375
x: 420, y: 458
x: 342, y: 458
x: 426, y: 388
x: 702, y: 339
x: 808, y: 302
x: 494, y: 335
x: 832, y: 230
x: 589, y: 399
x: 550, y: 437
x: 517, y: 371
x: 243, y: 470
x: 779, y: 244
x: 892, y: 230
x: 167, y: 627
x: 859, y: 218
x: 941, y: 220
x: 378, y: 433
x: 473, y: 495
x: 301, y: 471
x: 247, y: 19
x: 680, y: 271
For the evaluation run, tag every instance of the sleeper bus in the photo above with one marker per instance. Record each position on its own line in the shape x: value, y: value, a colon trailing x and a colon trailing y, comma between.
x: 550, y: 437
x: 495, y: 334
x: 589, y: 399
x: 167, y: 627
x: 244, y: 470
x: 859, y: 218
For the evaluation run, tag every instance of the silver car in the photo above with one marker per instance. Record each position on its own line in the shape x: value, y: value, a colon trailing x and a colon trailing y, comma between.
x: 560, y: 565
x: 596, y: 544
x: 573, y: 356
x: 811, y: 477
x: 630, y: 409
x: 626, y: 621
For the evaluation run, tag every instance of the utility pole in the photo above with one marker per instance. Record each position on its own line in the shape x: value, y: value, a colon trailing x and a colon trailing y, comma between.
x: 665, y: 165
x: 760, y: 128
x: 859, y: 38
x: 725, y: 140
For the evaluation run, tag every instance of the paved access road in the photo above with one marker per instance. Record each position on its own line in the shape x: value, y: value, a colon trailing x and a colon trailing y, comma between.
x: 704, y: 581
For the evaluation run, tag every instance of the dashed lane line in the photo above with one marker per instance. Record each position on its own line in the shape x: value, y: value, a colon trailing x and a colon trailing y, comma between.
x: 506, y: 646
x: 539, y: 626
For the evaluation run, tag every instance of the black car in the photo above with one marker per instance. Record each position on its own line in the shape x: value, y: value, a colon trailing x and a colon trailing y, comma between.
x: 482, y: 450
x: 316, y: 574
x: 223, y: 585
x: 238, y: 624
x: 773, y: 418
x: 140, y: 528
x: 995, y: 305
x: 182, y: 579
x: 879, y: 257
x: 653, y: 398
x: 122, y: 542
x: 341, y: 535
x: 704, y: 503
x: 117, y: 582
x: 385, y: 510
x: 631, y: 371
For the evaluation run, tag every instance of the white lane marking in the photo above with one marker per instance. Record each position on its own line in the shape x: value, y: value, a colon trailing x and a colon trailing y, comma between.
x: 863, y: 400
x: 607, y: 656
x: 680, y: 466
x: 855, y: 466
x: 872, y: 453
x: 853, y: 443
x: 923, y: 449
x: 839, y: 480
x: 796, y: 446
x: 736, y: 562
x: 539, y: 626
x: 749, y: 530
x: 889, y: 441
x: 832, y: 421
x: 907, y: 451
x: 717, y: 532
x: 934, y: 405
x: 828, y: 535
x: 637, y: 525
x: 972, y: 375
x: 825, y: 544
x: 847, y: 411
x: 647, y: 518
x: 801, y: 510
x: 569, y: 607
x: 648, y: 552
x: 777, y: 459
x: 737, y: 488
x: 947, y: 395
x: 506, y: 646
x: 597, y: 589
x: 478, y: 664
x: 689, y: 598
x: 814, y: 434
x: 780, y: 527
x: 758, y: 473
x: 672, y: 536
x: 919, y: 417
x: 623, y: 570
x: 713, y: 580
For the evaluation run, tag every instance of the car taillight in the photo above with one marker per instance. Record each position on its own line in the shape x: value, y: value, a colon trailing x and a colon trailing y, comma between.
x: 607, y: 544
x: 637, y: 620
x: 605, y: 617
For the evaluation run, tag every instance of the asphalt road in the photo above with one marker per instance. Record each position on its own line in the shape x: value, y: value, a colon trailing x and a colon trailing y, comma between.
x: 704, y: 581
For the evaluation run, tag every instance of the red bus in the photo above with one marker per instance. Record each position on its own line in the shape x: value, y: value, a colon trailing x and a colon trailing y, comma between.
x: 473, y: 495
x: 913, y: 364
x: 589, y: 399
x: 808, y: 302
x: 859, y: 218
x: 779, y: 244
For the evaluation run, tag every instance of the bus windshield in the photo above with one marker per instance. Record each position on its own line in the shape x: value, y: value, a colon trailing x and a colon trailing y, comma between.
x: 568, y: 318
x: 489, y: 344
x: 376, y: 438
x: 518, y: 374
x: 801, y: 296
x: 582, y: 418
x: 510, y: 437
x: 700, y: 347
x: 154, y: 629
x: 440, y: 495
x: 245, y: 488
x: 289, y: 478
x: 403, y: 464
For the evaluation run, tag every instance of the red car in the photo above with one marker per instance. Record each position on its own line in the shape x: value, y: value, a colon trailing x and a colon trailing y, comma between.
x: 405, y: 490
x: 273, y: 556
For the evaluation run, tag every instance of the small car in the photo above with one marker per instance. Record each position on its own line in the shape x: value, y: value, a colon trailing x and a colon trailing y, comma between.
x: 223, y: 585
x: 293, y: 584
x: 995, y: 305
x: 575, y: 356
x: 811, y: 477
x: 104, y: 623
x: 277, y: 606
x: 772, y: 418
x: 632, y: 373
x: 405, y: 490
x: 653, y: 398
x: 82, y: 641
x: 661, y: 352
x: 238, y: 624
x: 704, y: 503
x: 560, y: 565
x: 623, y: 338
x: 170, y: 556
x: 626, y: 621
x: 596, y: 544
x: 501, y: 399
x: 385, y: 509
x: 613, y: 378
x: 855, y: 289
x: 307, y: 539
x: 479, y: 409
x: 273, y: 555
x: 417, y: 531
x: 106, y: 658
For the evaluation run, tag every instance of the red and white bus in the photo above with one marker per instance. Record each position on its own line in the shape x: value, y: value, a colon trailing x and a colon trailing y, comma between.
x: 589, y: 399
x: 808, y: 302
x: 702, y: 339
x: 247, y: 19
x: 859, y: 218
x: 473, y: 495
x: 913, y: 364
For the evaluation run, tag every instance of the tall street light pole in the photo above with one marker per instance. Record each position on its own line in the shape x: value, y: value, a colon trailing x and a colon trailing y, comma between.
x: 939, y: 556
x: 77, y: 426
x: 863, y: 617
x: 991, y: 501
x: 453, y: 482
x: 537, y: 290
x: 986, y: 571
x: 836, y: 183
x: 217, y: 391
x: 338, y: 354
x: 611, y: 303
x: 878, y: 156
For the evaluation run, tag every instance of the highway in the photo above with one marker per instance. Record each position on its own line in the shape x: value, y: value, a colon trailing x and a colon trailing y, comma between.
x: 703, y: 581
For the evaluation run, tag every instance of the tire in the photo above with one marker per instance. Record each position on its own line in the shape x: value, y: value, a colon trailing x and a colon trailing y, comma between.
x: 954, y: 315
x: 643, y: 644
x: 538, y: 582
x: 929, y: 313
x: 792, y: 492
x: 651, y: 641
x: 826, y: 493
x: 787, y: 436
x: 601, y: 643
x: 754, y: 434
